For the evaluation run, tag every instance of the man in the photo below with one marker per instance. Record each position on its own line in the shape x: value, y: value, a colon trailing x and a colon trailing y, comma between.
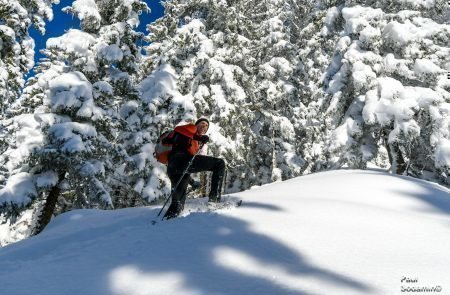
x: 185, y: 144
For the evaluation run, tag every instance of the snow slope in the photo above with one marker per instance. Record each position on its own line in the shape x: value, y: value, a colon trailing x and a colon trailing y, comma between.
x: 339, y: 232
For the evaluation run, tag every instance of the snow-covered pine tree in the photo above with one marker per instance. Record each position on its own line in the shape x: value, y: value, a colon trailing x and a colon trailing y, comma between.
x: 16, y: 45
x: 17, y: 55
x: 17, y: 51
x: 75, y: 101
x: 275, y: 99
x: 315, y: 40
x: 390, y: 89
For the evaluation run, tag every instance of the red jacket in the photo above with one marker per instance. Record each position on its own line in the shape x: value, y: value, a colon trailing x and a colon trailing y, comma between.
x: 189, y: 131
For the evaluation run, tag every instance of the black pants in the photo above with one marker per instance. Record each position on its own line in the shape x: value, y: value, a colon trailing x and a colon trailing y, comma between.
x: 175, y: 169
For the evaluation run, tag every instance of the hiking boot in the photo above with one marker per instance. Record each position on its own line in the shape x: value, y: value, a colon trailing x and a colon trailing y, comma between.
x: 174, y: 210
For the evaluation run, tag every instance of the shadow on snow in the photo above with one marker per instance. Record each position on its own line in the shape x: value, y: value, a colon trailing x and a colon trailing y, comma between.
x: 219, y: 232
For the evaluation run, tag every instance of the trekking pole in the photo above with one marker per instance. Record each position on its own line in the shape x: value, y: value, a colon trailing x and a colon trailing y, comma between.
x: 179, y: 181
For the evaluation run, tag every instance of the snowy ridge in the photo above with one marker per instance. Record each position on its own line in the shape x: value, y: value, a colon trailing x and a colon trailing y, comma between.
x: 290, y: 88
x: 338, y: 232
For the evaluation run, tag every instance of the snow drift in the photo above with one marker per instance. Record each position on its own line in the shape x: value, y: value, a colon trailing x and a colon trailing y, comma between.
x: 339, y: 232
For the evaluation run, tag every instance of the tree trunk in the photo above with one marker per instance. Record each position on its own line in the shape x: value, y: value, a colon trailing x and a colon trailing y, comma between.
x: 49, y: 207
x: 398, y: 164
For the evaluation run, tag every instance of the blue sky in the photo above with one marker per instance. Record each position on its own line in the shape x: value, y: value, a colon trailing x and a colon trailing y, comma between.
x: 62, y: 22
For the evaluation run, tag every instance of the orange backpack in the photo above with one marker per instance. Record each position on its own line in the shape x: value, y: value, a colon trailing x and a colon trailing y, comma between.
x: 162, y: 150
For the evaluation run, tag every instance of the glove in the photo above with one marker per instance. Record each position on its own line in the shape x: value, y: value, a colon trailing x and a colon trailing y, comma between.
x: 202, y: 138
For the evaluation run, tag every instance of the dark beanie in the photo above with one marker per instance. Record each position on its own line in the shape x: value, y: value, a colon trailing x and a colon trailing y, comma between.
x: 201, y: 120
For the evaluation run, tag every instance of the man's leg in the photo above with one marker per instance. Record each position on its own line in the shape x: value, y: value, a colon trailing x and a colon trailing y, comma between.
x: 217, y: 166
x: 178, y: 196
